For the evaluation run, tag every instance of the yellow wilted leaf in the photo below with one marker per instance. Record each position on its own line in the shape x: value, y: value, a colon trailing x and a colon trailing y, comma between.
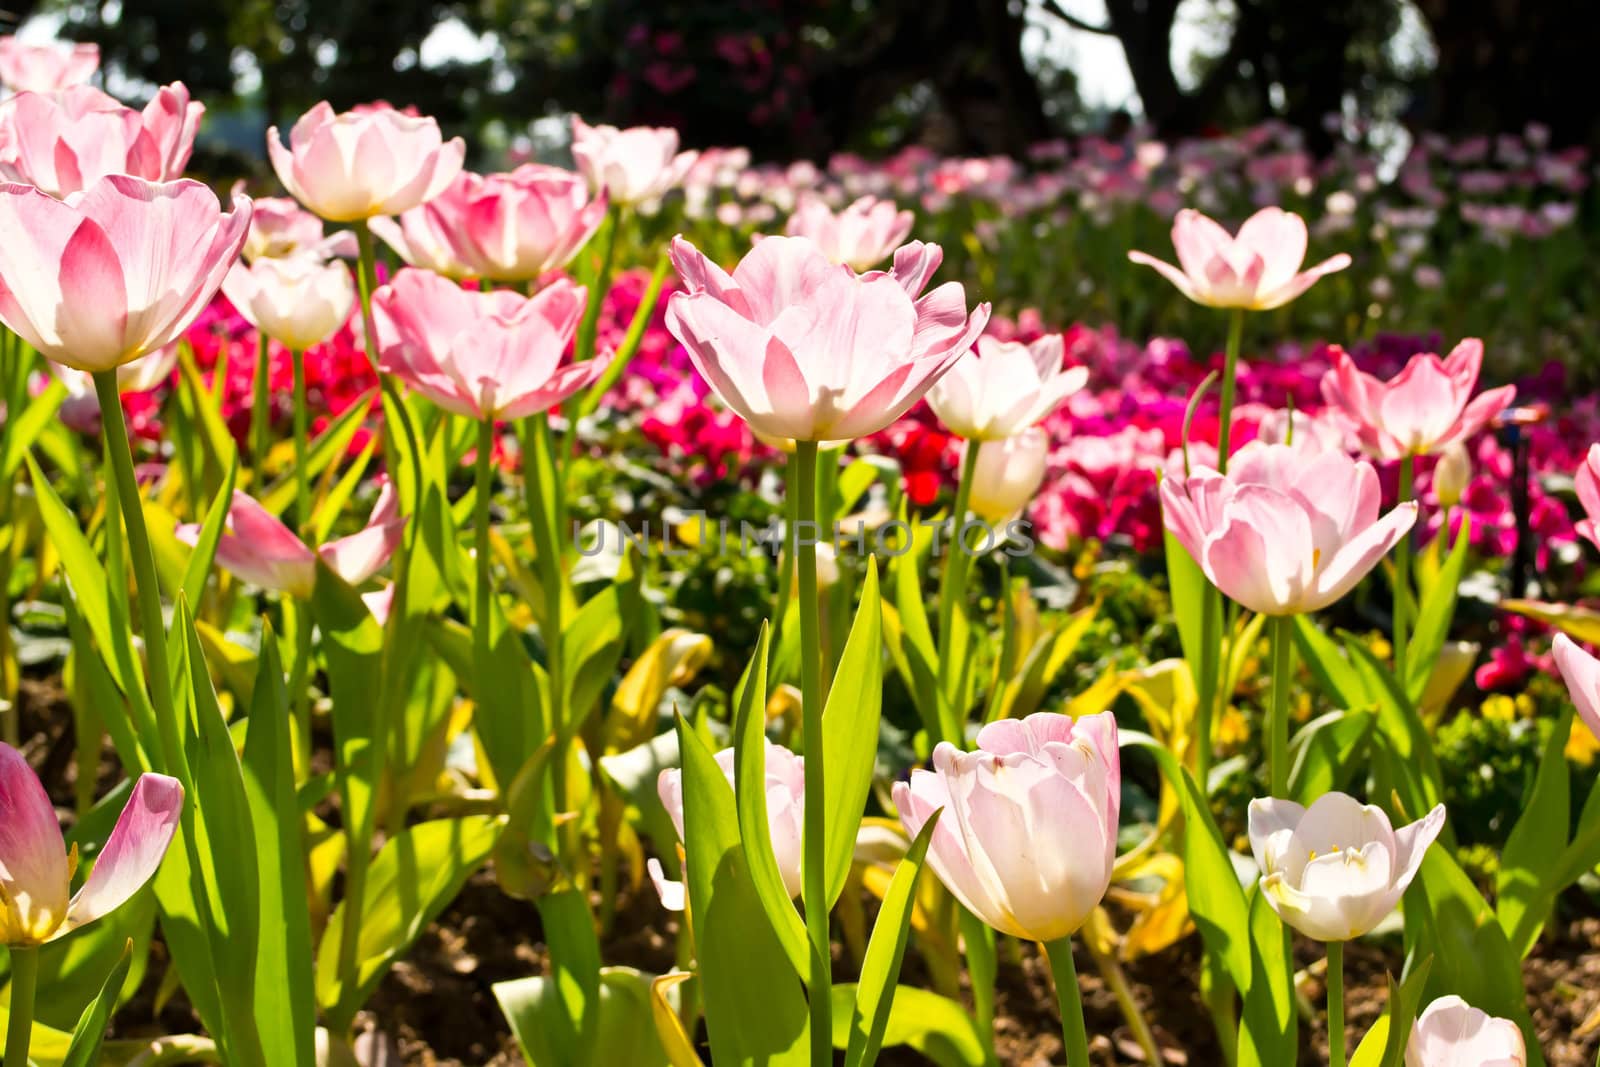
x: 1097, y: 697
x: 1160, y: 919
x: 1580, y: 624
x: 671, y: 660
x: 675, y: 1040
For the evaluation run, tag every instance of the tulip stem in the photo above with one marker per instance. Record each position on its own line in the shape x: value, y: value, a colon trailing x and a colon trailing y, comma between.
x: 1336, y: 1056
x: 1230, y: 376
x: 956, y: 567
x: 1278, y: 725
x: 302, y: 477
x: 1069, y: 999
x: 24, y: 980
x: 480, y: 526
x: 367, y: 281
x: 803, y: 546
x: 1116, y: 980
x: 261, y: 409
x: 584, y: 344
x: 1402, y: 577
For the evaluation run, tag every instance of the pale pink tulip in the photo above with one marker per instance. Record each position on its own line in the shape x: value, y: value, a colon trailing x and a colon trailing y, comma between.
x: 259, y: 549
x: 492, y: 354
x: 1452, y: 1033
x: 632, y: 165
x: 804, y: 348
x: 280, y: 227
x: 1008, y: 475
x: 116, y: 273
x: 81, y: 407
x: 370, y: 161
x: 1283, y: 533
x: 502, y: 227
x: 861, y: 236
x: 298, y: 301
x: 1420, y: 411
x: 1581, y: 672
x: 1004, y: 387
x: 1452, y: 474
x: 1588, y: 484
x: 786, y: 805
x: 1335, y: 870
x: 1258, y: 269
x: 66, y: 142
x: 36, y: 869
x: 46, y: 68
x: 1028, y: 837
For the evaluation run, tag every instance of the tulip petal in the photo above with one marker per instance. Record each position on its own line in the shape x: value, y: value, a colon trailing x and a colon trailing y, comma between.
x: 134, y: 850
x: 1581, y: 672
x: 33, y: 857
x: 1360, y: 554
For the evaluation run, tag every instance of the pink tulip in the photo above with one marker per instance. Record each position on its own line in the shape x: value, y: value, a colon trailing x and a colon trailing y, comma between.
x: 633, y: 165
x: 1452, y: 1033
x: 1337, y: 869
x: 1028, y: 837
x: 502, y: 227
x: 486, y: 354
x: 46, y: 68
x: 118, y: 271
x: 370, y: 161
x: 1259, y: 269
x: 1282, y: 532
x: 1004, y: 387
x: 259, y: 549
x: 280, y: 227
x: 804, y: 348
x: 298, y: 301
x: 36, y: 869
x: 66, y: 142
x: 81, y: 407
x: 1581, y: 672
x: 861, y: 236
x: 1588, y: 484
x: 786, y: 804
x: 1420, y: 411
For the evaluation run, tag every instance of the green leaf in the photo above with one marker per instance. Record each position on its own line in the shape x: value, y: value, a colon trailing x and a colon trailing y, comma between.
x: 1324, y: 753
x: 755, y: 1009
x: 204, y: 553
x: 325, y: 449
x: 1420, y: 779
x: 1267, y: 1037
x: 415, y: 875
x: 34, y: 417
x: 918, y: 658
x: 285, y: 1008
x: 934, y: 1026
x: 1524, y: 887
x: 1437, y: 610
x: 90, y: 1032
x: 626, y: 1033
x: 750, y: 701
x: 591, y: 645
x: 575, y: 964
x: 1333, y: 672
x: 880, y: 970
x: 352, y: 647
x: 850, y: 735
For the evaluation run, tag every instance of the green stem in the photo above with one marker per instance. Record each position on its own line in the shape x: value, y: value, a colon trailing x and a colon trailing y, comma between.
x: 302, y: 477
x: 261, y: 408
x: 1402, y: 578
x: 1070, y: 1000
x: 1278, y: 725
x: 813, y: 864
x: 300, y: 686
x: 542, y: 477
x: 786, y: 560
x: 956, y: 567
x: 1230, y: 375
x: 480, y: 526
x: 1117, y: 981
x: 583, y: 344
x: 1336, y: 1057
x: 630, y: 344
x: 24, y: 981
x: 367, y: 281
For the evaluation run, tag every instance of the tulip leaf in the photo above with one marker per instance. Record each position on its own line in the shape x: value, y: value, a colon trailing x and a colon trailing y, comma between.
x: 414, y: 876
x: 750, y: 702
x: 90, y: 1033
x: 33, y: 418
x: 285, y: 1008
x: 1332, y: 671
x: 918, y: 657
x: 1447, y: 918
x: 352, y: 648
x: 850, y: 735
x: 205, y: 409
x: 625, y: 1029
x: 1385, y: 1043
x: 1416, y: 765
x: 1267, y: 1035
x: 1435, y: 613
x: 575, y: 972
x: 1525, y: 888
x: 324, y: 450
x: 591, y: 645
x: 1577, y: 622
x: 1323, y: 754
x: 754, y: 1006
x: 934, y: 1026
x: 880, y: 970
x: 204, y: 553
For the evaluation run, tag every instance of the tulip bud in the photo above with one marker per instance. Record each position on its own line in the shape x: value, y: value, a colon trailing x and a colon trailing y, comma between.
x: 1008, y: 475
x: 1451, y: 474
x: 1004, y: 387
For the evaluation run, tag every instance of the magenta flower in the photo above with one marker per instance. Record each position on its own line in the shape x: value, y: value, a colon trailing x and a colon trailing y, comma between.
x: 804, y: 348
x: 492, y: 354
x: 1259, y: 269
x: 65, y: 142
x: 1028, y: 838
x: 1423, y: 409
x: 370, y: 161
x: 46, y: 68
x: 36, y: 869
x: 258, y: 548
x: 115, y: 273
x: 1282, y: 532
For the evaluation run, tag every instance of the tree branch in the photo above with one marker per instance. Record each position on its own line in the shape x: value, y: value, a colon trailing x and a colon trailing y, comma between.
x: 1053, y: 7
